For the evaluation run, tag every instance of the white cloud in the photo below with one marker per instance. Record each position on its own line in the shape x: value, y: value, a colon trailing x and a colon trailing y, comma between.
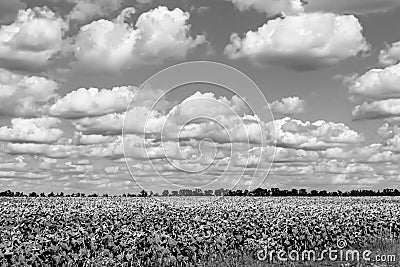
x: 18, y: 164
x: 46, y: 150
x: 342, y: 167
x: 40, y: 130
x: 47, y: 163
x: 112, y: 124
x: 377, y: 109
x: 25, y: 95
x: 111, y: 170
x: 390, y: 134
x: 86, y: 10
x: 353, y: 6
x: 247, y: 129
x: 92, y: 102
x: 288, y: 105
x: 271, y: 7
x: 23, y: 175
x: 318, y: 135
x: 283, y: 154
x: 229, y: 111
x: 159, y: 34
x: 32, y: 40
x: 390, y: 55
x: 81, y: 139
x: 134, y: 147
x: 302, y: 42
x: 377, y: 83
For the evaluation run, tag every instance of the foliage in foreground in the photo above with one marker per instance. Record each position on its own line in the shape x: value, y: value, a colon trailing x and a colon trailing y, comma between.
x: 202, y: 231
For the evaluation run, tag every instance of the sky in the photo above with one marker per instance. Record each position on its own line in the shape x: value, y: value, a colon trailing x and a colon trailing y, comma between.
x: 124, y: 95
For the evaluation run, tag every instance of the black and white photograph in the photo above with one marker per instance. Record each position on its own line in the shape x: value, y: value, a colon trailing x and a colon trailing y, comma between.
x: 200, y: 133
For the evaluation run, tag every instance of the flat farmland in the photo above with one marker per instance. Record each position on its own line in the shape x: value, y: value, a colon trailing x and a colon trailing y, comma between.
x: 191, y: 231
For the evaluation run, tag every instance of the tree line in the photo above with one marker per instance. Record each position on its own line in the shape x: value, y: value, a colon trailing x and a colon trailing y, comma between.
x: 259, y: 192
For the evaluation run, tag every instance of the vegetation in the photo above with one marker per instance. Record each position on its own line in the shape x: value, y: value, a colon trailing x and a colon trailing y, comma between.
x: 187, y: 231
x: 259, y: 192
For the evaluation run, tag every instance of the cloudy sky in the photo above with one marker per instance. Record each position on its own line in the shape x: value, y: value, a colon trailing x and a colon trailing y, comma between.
x: 79, y: 113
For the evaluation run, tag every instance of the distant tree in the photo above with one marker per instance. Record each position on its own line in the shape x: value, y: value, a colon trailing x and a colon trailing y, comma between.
x: 7, y: 193
x: 237, y: 193
x: 51, y: 194
x: 165, y: 193
x: 208, y: 192
x: 219, y: 192
x: 175, y: 193
x: 185, y: 192
x: 33, y: 194
x: 259, y: 192
x: 275, y: 192
x: 198, y: 192
x: 323, y: 193
x: 143, y: 193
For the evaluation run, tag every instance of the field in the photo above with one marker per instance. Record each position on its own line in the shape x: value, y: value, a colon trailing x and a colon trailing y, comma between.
x: 193, y: 231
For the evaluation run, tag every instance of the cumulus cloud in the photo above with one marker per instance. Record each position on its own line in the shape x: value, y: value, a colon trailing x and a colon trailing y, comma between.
x: 81, y: 139
x: 86, y: 10
x: 15, y: 165
x: 47, y: 163
x: 303, y: 42
x: 135, y: 147
x: 40, y: 130
x: 92, y: 102
x: 377, y: 109
x: 22, y: 95
x: 32, y: 40
x: 288, y: 105
x: 353, y: 6
x: 390, y: 134
x: 140, y: 118
x: 342, y: 167
x: 271, y: 7
x: 318, y: 135
x: 377, y: 83
x: 45, y: 150
x: 111, y: 170
x: 284, y: 155
x: 390, y: 55
x: 110, y: 124
x: 158, y: 35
